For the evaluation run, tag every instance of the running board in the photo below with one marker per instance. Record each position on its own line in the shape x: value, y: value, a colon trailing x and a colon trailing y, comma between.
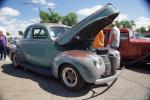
x: 39, y: 69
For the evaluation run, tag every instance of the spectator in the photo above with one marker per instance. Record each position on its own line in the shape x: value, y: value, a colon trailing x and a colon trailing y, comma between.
x: 3, y: 44
x: 99, y: 40
x: 114, y: 37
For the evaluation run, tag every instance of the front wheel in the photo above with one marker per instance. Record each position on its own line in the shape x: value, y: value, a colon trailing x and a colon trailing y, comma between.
x: 14, y: 60
x: 71, y: 77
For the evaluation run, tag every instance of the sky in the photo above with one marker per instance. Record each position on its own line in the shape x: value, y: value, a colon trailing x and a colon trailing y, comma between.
x: 16, y: 15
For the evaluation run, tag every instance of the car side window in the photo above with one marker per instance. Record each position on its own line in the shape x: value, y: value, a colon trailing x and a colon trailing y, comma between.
x: 123, y: 35
x: 39, y: 33
x: 28, y: 34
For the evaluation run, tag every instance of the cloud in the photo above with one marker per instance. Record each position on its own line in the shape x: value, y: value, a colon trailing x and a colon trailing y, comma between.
x: 2, y: 18
x: 51, y: 5
x: 43, y: 2
x: 14, y: 25
x: 88, y: 11
x: 122, y: 17
x: 6, y: 14
x: 7, y: 11
x: 11, y: 24
x: 142, y: 21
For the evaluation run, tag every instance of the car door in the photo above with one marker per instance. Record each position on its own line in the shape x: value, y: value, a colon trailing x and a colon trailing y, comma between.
x: 41, y: 47
x: 25, y: 44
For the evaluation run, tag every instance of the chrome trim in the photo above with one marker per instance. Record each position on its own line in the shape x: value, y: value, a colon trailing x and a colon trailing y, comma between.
x: 111, y: 78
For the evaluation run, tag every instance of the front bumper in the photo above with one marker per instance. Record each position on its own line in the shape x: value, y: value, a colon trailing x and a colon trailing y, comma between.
x: 111, y: 78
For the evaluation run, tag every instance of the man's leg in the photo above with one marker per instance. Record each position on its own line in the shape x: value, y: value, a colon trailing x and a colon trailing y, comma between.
x: 0, y: 52
x: 5, y: 52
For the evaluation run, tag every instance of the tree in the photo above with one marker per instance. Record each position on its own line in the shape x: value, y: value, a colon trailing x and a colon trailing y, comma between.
x: 7, y: 33
x: 54, y: 17
x: 44, y: 16
x: 70, y: 19
x: 20, y: 33
x: 132, y: 23
x: 118, y: 24
x: 50, y: 17
x: 141, y: 29
x: 125, y: 24
x: 149, y: 28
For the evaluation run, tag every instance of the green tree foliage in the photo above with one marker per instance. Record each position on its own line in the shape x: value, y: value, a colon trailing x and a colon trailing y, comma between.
x: 53, y: 17
x: 49, y: 17
x: 141, y: 29
x: 125, y: 24
x: 7, y: 33
x: 118, y: 24
x: 149, y: 28
x: 70, y: 19
x: 44, y: 16
x: 132, y: 23
x: 20, y: 33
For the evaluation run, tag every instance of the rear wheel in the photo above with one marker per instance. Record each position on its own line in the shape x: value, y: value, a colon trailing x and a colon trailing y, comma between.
x: 70, y: 77
x: 14, y: 60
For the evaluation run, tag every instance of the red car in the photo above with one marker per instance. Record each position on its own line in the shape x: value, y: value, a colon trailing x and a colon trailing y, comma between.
x: 133, y: 46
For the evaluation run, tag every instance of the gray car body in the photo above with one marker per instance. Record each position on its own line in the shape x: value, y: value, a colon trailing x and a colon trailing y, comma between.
x: 53, y: 55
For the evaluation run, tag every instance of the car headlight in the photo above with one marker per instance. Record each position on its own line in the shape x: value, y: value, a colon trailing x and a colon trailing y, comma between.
x: 99, y: 64
x: 96, y: 61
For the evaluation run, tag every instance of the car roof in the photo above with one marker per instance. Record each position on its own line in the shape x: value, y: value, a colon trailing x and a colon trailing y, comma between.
x: 49, y: 25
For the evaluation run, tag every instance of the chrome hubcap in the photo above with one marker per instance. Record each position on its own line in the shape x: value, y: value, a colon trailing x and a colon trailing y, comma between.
x: 69, y: 77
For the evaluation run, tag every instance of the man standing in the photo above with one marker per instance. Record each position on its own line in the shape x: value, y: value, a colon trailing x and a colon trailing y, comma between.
x: 3, y: 43
x: 99, y: 40
x: 114, y: 37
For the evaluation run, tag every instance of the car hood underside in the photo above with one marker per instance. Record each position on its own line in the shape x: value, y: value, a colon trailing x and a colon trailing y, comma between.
x: 88, y: 28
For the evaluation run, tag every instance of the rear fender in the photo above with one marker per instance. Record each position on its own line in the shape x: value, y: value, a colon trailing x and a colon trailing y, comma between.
x: 19, y: 54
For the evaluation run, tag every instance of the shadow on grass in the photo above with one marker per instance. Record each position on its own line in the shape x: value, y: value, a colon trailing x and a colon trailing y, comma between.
x: 53, y: 85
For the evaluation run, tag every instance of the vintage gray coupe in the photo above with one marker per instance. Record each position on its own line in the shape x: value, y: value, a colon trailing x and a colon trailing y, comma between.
x: 66, y: 53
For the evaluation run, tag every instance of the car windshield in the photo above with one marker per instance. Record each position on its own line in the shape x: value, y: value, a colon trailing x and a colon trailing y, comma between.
x: 56, y: 32
x: 135, y: 34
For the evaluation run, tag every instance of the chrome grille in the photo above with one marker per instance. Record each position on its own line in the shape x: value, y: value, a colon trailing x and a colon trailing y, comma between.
x: 107, y: 65
x: 113, y: 62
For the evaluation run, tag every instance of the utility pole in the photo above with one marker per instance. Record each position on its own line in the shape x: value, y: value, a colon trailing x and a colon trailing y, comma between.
x: 37, y: 5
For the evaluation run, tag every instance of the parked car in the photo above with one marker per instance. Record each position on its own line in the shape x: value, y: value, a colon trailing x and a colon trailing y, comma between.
x: 12, y: 43
x: 147, y: 36
x: 134, y: 47
x: 66, y: 53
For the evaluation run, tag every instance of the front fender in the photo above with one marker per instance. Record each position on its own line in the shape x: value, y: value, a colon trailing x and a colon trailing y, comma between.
x: 81, y: 60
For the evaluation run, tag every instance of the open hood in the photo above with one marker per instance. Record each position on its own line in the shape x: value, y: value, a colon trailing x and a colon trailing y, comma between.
x: 90, y: 26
